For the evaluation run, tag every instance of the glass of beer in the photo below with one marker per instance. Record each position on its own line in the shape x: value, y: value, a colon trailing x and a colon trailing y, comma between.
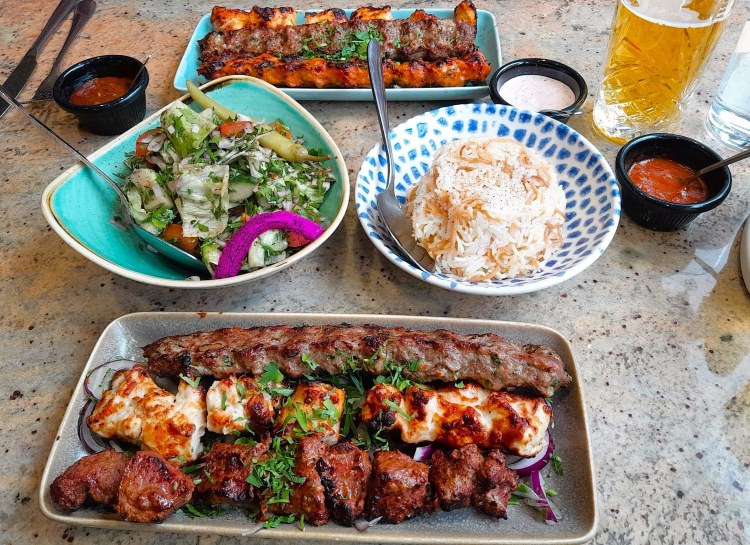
x: 657, y: 50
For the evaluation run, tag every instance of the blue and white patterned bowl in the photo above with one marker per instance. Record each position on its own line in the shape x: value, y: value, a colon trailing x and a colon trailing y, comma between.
x: 592, y: 193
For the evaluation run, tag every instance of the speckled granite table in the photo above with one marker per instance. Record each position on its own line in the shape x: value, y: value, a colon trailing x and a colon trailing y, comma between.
x: 660, y: 324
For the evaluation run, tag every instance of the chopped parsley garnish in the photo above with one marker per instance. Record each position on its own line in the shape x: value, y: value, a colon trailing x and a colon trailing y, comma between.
x: 194, y: 382
x: 275, y: 473
x: 557, y: 464
x: 398, y: 409
x: 203, y: 511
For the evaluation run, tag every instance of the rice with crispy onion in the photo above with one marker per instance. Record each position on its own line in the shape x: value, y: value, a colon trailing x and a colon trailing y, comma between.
x: 488, y: 208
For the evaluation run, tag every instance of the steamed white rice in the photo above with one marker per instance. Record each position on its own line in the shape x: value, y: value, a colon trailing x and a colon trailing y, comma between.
x: 489, y: 208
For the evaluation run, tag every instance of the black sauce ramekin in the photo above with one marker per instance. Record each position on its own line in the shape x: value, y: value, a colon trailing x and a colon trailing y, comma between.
x: 541, y: 67
x: 658, y: 214
x: 115, y: 116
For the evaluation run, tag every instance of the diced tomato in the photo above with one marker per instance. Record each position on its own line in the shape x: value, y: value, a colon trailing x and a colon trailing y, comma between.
x: 280, y: 128
x: 295, y: 241
x: 173, y: 235
x: 141, y: 147
x: 234, y: 128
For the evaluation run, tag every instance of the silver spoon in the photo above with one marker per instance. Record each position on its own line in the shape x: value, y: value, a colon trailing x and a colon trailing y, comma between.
x: 160, y: 245
x: 399, y: 227
x: 744, y: 154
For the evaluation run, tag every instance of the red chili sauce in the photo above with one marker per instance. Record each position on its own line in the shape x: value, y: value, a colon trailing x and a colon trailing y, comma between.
x: 665, y: 179
x: 100, y: 90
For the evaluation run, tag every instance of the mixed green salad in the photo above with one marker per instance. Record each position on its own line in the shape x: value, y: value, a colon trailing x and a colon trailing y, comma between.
x: 200, y: 176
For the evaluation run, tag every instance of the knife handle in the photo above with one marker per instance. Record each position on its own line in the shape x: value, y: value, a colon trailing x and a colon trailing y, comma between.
x: 84, y: 11
x: 58, y: 16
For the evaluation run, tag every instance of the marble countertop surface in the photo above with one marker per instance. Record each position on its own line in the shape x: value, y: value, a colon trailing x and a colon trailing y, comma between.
x: 660, y: 324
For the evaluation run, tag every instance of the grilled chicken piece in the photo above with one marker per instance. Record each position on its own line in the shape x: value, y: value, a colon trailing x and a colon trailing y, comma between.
x: 152, y: 488
x: 453, y: 476
x: 333, y: 15
x: 344, y: 472
x: 425, y: 356
x: 138, y: 411
x: 495, y: 484
x: 223, y: 478
x: 315, y: 407
x: 323, y: 74
x: 307, y: 498
x: 225, y: 19
x: 422, y: 38
x: 95, y: 477
x: 369, y: 13
x: 458, y: 416
x: 398, y: 487
x: 236, y: 405
x: 421, y: 15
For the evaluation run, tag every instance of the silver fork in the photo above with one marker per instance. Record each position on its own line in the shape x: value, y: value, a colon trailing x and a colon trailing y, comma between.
x: 84, y: 10
x: 394, y: 218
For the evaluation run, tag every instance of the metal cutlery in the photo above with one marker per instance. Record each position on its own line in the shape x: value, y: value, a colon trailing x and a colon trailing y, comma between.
x: 159, y: 245
x: 394, y: 218
x: 21, y: 73
x: 84, y: 10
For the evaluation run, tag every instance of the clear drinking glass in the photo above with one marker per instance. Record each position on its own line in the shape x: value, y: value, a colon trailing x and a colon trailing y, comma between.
x: 729, y: 117
x: 657, y: 50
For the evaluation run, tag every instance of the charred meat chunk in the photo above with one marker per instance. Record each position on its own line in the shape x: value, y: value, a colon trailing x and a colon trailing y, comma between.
x: 344, y: 472
x: 223, y: 478
x: 495, y: 484
x: 152, y: 488
x: 307, y: 496
x: 398, y: 487
x: 453, y: 476
x: 96, y: 477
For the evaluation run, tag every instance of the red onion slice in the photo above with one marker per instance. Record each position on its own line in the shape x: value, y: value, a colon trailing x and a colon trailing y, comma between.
x: 524, y: 466
x: 547, y: 506
x: 362, y: 525
x: 91, y: 442
x: 422, y: 454
x: 239, y: 244
x: 93, y: 384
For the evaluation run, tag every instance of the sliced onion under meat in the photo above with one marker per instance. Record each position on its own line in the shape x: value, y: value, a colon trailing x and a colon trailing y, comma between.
x: 362, y: 525
x: 536, y: 497
x: 524, y: 466
x: 422, y: 454
x: 90, y: 441
x: 94, y: 385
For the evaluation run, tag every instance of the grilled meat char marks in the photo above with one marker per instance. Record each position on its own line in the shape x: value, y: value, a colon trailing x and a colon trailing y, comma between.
x: 152, y: 488
x: 403, y: 40
x: 442, y: 355
x: 344, y: 472
x: 95, y: 477
x: 453, y: 476
x: 321, y: 73
x: 223, y: 478
x: 495, y: 484
x: 398, y: 487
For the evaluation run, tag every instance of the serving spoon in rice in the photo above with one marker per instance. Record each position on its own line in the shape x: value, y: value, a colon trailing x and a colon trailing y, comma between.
x: 394, y: 218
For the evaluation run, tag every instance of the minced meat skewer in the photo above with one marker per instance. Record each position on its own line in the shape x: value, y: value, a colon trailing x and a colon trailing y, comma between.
x: 424, y: 356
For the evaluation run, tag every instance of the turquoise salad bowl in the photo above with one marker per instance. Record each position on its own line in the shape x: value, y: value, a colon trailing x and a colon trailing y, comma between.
x: 83, y: 210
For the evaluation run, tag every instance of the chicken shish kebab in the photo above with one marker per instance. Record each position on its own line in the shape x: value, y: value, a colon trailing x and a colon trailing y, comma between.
x: 321, y: 435
x: 329, y: 50
x: 424, y: 356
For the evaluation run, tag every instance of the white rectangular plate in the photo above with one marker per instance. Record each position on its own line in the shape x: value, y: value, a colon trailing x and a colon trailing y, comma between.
x: 576, y: 492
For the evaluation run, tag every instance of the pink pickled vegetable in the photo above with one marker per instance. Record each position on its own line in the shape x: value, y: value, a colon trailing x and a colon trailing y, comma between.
x: 237, y: 247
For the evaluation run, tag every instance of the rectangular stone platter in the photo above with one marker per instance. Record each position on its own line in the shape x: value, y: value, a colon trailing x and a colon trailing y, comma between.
x: 125, y: 336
